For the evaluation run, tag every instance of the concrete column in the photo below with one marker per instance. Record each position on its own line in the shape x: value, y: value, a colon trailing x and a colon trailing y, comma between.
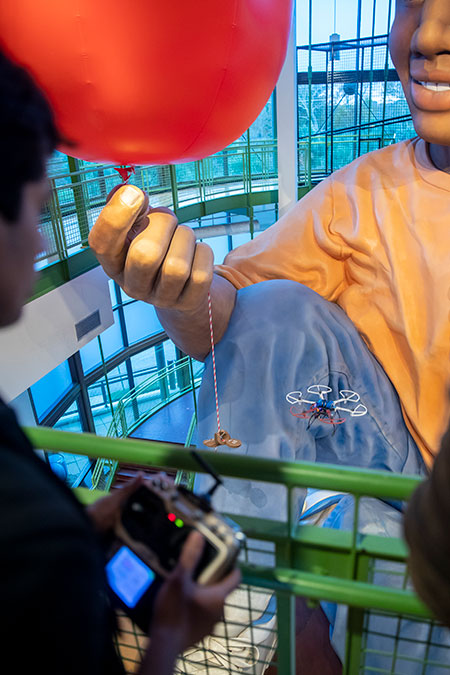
x: 286, y: 96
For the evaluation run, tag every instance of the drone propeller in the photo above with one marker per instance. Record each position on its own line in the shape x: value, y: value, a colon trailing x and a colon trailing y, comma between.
x: 333, y: 420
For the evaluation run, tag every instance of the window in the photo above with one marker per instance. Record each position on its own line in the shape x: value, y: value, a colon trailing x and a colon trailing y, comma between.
x: 70, y: 420
x: 341, y: 17
x: 116, y: 387
x: 50, y: 389
x: 143, y: 365
x: 111, y: 339
x: 69, y: 467
x: 141, y: 321
x: 219, y: 246
x: 90, y: 355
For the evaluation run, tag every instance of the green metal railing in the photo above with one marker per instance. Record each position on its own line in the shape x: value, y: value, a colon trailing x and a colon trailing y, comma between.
x: 157, y: 391
x: 78, y: 195
x: 317, y: 563
x: 245, y: 170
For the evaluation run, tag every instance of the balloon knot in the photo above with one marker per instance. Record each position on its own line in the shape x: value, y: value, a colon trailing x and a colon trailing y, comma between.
x: 124, y: 172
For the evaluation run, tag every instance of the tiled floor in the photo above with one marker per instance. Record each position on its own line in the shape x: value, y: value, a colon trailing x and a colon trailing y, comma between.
x: 131, y: 643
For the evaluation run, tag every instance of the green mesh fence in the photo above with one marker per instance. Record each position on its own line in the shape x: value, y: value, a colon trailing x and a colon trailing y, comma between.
x: 387, y: 628
x: 353, y: 99
x: 79, y: 190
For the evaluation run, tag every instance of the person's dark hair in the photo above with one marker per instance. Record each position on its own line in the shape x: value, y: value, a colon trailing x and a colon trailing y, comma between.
x: 426, y: 524
x: 28, y: 135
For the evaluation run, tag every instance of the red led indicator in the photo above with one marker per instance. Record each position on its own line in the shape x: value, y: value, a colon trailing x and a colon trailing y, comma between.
x: 172, y: 517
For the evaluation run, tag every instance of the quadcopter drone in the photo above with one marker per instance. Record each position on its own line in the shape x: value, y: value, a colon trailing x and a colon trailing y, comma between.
x: 323, y: 409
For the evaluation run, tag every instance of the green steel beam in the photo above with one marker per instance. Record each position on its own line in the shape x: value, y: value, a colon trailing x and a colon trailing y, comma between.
x: 334, y: 542
x: 380, y: 484
x: 353, y: 641
x: 86, y: 496
x: 334, y: 589
x: 284, y: 580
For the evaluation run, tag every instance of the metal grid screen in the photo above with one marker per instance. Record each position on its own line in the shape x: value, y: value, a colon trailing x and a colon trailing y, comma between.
x: 359, y: 577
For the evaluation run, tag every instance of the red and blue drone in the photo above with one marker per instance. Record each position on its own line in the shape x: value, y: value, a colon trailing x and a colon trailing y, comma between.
x: 323, y: 409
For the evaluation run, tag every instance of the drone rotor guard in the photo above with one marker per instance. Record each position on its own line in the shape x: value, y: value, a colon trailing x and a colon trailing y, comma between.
x: 325, y: 409
x: 303, y: 414
x: 333, y: 421
x: 352, y: 397
x: 359, y: 411
x: 319, y: 390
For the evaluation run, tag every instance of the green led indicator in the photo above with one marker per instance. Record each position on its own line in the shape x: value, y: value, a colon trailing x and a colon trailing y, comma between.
x: 179, y: 522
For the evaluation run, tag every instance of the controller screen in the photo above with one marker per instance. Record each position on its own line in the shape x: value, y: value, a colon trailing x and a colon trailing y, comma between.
x: 128, y: 576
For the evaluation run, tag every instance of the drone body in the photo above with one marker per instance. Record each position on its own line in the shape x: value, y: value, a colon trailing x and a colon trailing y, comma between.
x: 323, y: 409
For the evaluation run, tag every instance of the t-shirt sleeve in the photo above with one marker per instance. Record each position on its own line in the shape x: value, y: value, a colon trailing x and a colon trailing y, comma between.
x: 301, y: 246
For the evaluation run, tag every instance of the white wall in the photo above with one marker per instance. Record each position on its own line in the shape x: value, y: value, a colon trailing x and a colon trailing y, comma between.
x: 23, y: 409
x: 45, y: 335
x: 287, y: 128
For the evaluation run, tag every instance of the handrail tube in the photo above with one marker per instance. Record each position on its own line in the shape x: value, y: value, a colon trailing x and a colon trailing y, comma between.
x: 335, y: 589
x: 381, y: 484
x: 154, y: 378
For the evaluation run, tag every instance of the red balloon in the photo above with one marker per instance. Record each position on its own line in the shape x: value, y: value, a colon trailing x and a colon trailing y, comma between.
x: 150, y: 81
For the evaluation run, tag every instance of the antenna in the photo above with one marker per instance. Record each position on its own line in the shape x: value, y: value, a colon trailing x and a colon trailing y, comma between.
x: 199, y: 459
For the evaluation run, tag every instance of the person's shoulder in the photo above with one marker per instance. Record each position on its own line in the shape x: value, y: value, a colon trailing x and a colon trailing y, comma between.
x: 53, y: 571
x: 31, y: 499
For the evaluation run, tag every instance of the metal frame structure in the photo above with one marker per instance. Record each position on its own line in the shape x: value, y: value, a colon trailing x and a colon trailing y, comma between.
x: 317, y: 563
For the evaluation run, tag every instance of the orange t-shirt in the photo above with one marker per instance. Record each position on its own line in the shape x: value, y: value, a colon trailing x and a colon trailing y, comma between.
x: 375, y: 238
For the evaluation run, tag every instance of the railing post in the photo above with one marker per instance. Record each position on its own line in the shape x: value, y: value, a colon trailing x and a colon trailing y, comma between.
x: 252, y: 223
x: 182, y: 372
x: 201, y: 189
x: 191, y: 372
x: 57, y: 222
x: 286, y: 603
x: 249, y: 165
x: 80, y: 202
x: 174, y: 186
x: 161, y: 365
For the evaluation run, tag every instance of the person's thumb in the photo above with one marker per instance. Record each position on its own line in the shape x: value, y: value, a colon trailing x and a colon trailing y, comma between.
x: 191, y: 552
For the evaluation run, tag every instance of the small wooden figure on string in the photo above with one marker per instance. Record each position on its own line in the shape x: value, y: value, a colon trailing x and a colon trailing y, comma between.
x: 221, y: 437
